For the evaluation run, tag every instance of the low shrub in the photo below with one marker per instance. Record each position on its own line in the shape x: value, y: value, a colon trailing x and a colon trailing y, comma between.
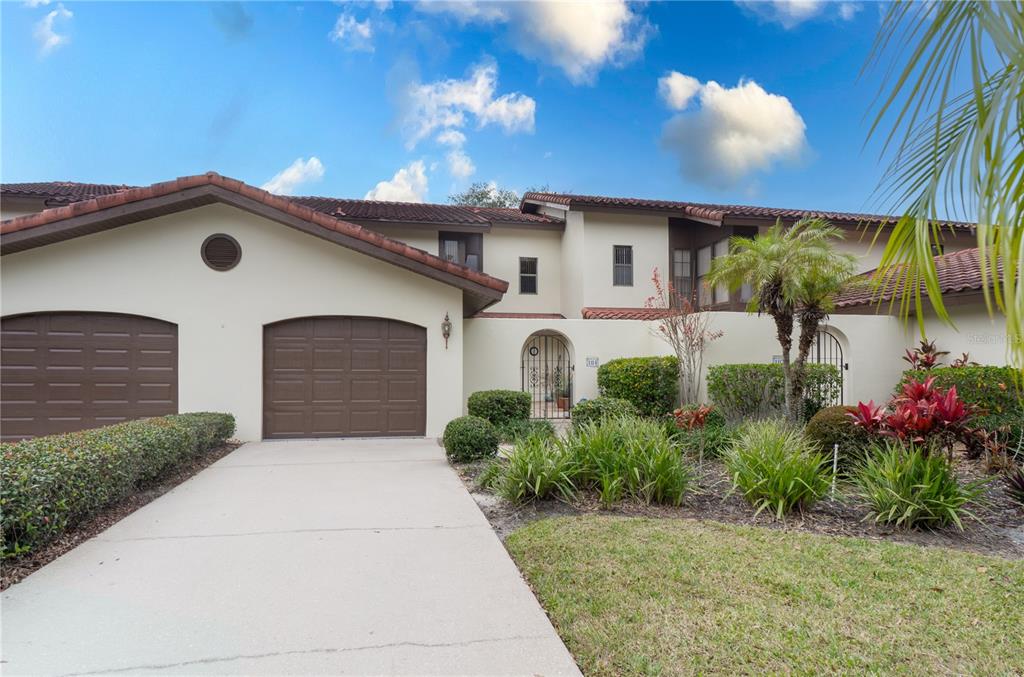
x: 511, y: 431
x: 757, y: 391
x: 500, y: 406
x: 921, y: 413
x: 1014, y: 480
x: 538, y: 468
x: 698, y: 416
x: 708, y: 442
x: 907, y: 487
x: 629, y: 457
x: 992, y: 390
x: 49, y: 484
x: 468, y: 438
x: 776, y: 468
x: 832, y: 426
x: 601, y: 408
x: 651, y: 384
x: 624, y: 457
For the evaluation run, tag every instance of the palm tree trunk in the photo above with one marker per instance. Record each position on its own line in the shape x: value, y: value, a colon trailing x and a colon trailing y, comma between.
x: 809, y: 321
x: 784, y: 333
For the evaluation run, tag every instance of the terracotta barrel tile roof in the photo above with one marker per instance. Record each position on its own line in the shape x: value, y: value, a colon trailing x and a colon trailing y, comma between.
x: 57, y: 193
x: 520, y: 316
x: 61, y: 192
x: 596, y: 313
x: 957, y: 272
x: 282, y: 204
x: 715, y: 212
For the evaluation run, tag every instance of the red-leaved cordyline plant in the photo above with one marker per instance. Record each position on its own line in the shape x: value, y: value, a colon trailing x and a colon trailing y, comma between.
x: 920, y: 413
x: 691, y: 419
x: 927, y: 356
x: 685, y: 329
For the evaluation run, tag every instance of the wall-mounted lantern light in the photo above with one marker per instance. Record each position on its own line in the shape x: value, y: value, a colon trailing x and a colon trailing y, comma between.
x: 446, y: 329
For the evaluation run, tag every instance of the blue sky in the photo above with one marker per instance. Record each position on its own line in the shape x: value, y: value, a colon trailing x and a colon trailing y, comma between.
x: 423, y: 98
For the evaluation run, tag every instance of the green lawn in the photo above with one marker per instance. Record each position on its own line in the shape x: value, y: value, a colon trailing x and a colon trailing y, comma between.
x: 647, y: 596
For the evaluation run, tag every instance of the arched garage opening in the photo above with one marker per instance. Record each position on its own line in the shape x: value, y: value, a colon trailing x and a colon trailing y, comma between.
x: 67, y: 371
x: 340, y: 376
x: 547, y: 373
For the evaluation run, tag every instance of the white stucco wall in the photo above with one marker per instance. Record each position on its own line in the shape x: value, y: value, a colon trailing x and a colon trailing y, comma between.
x: 974, y: 331
x: 153, y: 268
x: 648, y: 235
x: 573, y: 258
x: 502, y: 248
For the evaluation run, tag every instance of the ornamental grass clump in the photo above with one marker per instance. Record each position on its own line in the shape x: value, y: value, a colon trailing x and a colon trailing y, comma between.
x: 538, y: 468
x: 776, y: 468
x: 906, y: 486
x: 618, y: 458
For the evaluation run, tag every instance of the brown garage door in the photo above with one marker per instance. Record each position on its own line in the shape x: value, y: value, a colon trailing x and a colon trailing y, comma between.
x: 344, y: 377
x: 61, y: 372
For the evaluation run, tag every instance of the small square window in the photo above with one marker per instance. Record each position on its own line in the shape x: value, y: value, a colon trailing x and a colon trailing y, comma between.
x: 527, y: 275
x: 622, y: 266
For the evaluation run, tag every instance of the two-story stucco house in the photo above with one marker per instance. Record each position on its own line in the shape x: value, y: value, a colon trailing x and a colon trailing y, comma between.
x: 314, y: 316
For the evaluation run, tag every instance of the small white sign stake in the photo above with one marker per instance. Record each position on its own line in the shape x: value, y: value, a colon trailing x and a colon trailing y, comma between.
x: 835, y: 468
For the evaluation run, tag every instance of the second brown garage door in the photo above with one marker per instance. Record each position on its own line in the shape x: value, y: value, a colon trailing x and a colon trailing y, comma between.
x: 344, y: 377
x: 61, y: 372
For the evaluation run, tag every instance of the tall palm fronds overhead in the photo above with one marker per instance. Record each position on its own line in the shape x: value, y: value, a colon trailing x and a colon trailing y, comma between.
x: 955, y: 101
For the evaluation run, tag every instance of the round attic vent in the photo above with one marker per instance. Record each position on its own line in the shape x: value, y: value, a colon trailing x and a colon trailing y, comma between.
x: 221, y: 252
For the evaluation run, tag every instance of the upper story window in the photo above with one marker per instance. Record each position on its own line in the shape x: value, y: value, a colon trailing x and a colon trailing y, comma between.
x: 466, y: 249
x: 622, y: 266
x: 721, y: 248
x: 682, y: 273
x: 703, y: 268
x: 527, y: 275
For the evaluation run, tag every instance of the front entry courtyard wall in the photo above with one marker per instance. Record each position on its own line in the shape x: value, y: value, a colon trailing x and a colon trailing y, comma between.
x: 872, y: 346
x: 153, y: 268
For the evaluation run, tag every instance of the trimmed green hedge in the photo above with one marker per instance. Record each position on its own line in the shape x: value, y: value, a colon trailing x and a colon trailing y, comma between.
x: 744, y: 391
x: 990, y: 388
x: 500, y: 406
x: 650, y: 383
x: 49, y: 484
x: 599, y: 409
x: 468, y: 438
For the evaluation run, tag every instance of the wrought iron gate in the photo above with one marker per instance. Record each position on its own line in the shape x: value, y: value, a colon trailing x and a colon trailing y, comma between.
x: 547, y: 373
x: 827, y: 350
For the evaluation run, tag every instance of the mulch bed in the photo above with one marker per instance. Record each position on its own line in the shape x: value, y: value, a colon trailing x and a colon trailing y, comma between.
x: 14, y: 569
x: 1000, y: 532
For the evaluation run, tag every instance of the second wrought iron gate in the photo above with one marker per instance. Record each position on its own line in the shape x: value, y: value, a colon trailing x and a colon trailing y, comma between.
x: 827, y: 350
x: 548, y: 375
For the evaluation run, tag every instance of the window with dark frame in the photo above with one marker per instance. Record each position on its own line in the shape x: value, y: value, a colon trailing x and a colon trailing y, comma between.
x: 466, y: 249
x: 622, y: 266
x: 682, y: 273
x: 527, y: 275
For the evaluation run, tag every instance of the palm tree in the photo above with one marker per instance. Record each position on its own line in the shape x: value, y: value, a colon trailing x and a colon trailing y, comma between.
x: 794, y: 273
x: 956, y: 147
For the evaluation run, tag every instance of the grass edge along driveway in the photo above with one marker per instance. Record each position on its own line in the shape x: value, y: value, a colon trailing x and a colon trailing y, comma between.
x: 633, y: 596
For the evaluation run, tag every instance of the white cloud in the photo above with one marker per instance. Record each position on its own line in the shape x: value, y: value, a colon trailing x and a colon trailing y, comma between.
x: 352, y: 35
x: 466, y: 11
x: 445, y: 104
x: 383, y: 5
x: 44, y: 32
x: 677, y: 89
x: 36, y: 3
x: 848, y: 10
x: 451, y: 137
x: 409, y: 184
x: 788, y: 13
x: 580, y: 38
x: 460, y: 165
x: 734, y: 132
x: 301, y: 171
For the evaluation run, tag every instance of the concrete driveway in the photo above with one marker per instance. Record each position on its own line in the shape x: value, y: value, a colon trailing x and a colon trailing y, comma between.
x: 310, y: 557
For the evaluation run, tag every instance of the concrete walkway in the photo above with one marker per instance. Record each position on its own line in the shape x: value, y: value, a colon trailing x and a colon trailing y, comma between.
x: 325, y: 557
